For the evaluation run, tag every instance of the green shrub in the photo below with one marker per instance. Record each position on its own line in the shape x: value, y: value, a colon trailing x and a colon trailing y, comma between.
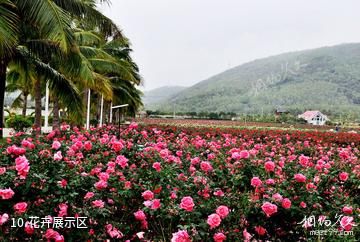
x: 18, y: 123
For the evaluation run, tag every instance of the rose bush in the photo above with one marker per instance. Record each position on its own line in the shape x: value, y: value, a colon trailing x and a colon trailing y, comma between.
x: 170, y: 184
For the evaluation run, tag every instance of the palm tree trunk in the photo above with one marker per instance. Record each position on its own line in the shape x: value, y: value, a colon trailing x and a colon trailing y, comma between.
x: 24, y: 104
x: 56, y: 117
x: 37, y: 90
x: 3, y: 65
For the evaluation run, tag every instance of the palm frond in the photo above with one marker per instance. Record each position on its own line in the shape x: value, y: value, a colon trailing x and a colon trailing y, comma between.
x: 87, y: 13
x: 58, y: 83
x: 43, y: 47
x: 9, y: 30
x: 18, y: 102
x: 110, y: 67
x: 88, y: 38
x: 53, y: 21
x: 103, y: 86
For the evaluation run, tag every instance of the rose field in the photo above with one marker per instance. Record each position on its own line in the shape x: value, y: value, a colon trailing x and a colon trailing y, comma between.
x: 168, y: 183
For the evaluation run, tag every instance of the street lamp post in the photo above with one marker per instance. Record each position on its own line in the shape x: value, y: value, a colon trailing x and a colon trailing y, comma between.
x: 119, y: 107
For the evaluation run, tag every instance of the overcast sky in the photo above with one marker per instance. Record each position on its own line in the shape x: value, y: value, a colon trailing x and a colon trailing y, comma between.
x: 181, y: 42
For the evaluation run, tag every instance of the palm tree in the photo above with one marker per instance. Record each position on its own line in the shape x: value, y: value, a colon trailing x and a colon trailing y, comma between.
x: 50, y: 22
x: 111, y: 66
x: 20, y: 78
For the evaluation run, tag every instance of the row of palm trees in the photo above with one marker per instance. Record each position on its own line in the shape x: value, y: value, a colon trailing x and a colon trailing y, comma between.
x: 69, y: 46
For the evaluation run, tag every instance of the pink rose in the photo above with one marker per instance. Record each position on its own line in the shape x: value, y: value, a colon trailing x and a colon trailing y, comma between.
x: 88, y: 145
x: 256, y: 182
x: 51, y: 234
x: 277, y: 197
x: 213, y: 220
x: 6, y: 193
x: 247, y: 236
x: 29, y: 229
x: 219, y: 193
x: 88, y: 195
x: 98, y: 204
x: 20, y: 207
x: 113, y: 232
x: 4, y: 218
x: 222, y: 211
x: 347, y: 210
x: 244, y: 154
x: 260, y: 230
x: 2, y: 170
x: 104, y: 176
x: 133, y: 125
x: 270, y: 182
x: 62, y: 183
x: 269, y: 166
x: 59, y: 238
x: 269, y: 208
x: 206, y: 166
x: 187, y: 204
x: 157, y: 166
x: 219, y: 237
x: 304, y: 160
x: 303, y: 205
x: 173, y: 195
x: 22, y: 166
x: 56, y: 145
x: 148, y: 195
x: 100, y: 185
x: 117, y: 146
x: 347, y: 223
x: 300, y: 177
x: 122, y: 161
x: 343, y: 176
x: 155, y: 204
x: 15, y: 150
x: 58, y: 156
x: 286, y: 203
x: 147, y: 203
x: 181, y: 236
x: 63, y: 210
x: 140, y: 215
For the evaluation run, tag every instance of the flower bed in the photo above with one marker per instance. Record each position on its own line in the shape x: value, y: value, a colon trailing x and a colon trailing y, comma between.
x: 180, y: 184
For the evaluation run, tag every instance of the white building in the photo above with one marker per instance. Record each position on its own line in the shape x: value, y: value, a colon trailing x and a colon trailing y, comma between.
x: 314, y: 117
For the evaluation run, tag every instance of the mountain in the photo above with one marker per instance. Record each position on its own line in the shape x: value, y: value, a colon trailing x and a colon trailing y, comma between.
x: 326, y: 79
x: 160, y: 94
